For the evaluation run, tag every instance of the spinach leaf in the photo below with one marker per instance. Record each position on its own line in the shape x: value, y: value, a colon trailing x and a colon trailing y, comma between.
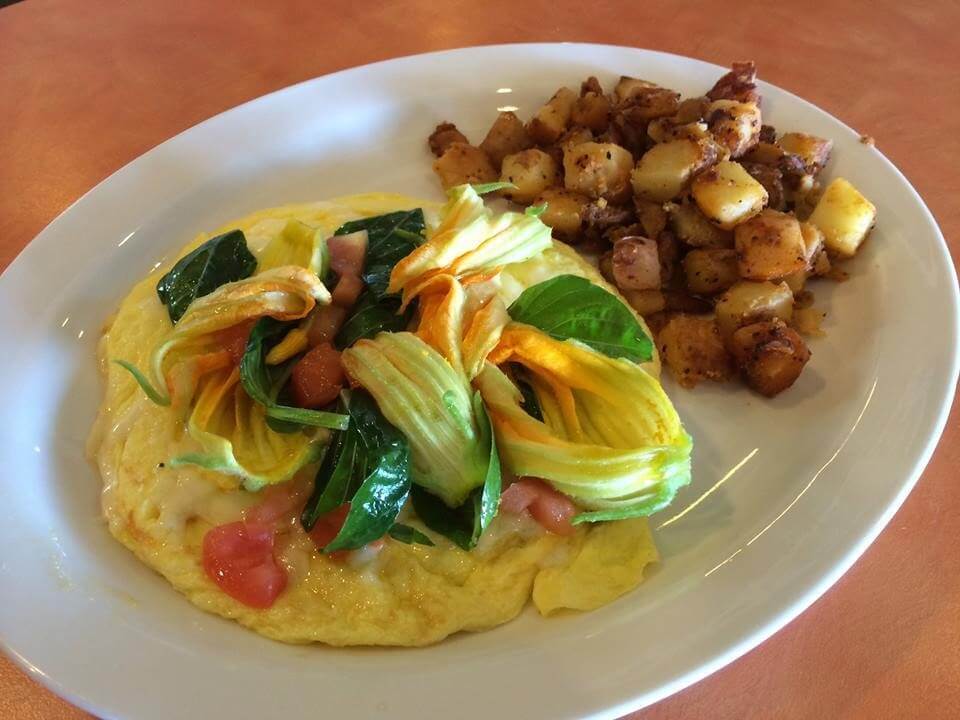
x: 261, y: 384
x: 409, y: 535
x: 390, y: 238
x: 367, y: 466
x: 570, y: 307
x: 465, y: 524
x: 370, y: 316
x: 222, y: 259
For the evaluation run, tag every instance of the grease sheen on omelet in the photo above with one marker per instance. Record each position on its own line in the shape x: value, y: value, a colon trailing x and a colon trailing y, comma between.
x: 405, y: 594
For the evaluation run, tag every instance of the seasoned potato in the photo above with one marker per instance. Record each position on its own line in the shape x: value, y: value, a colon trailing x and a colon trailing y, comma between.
x: 764, y: 153
x: 772, y: 180
x: 738, y: 84
x: 645, y: 302
x: 532, y: 171
x: 770, y: 246
x: 749, y: 301
x: 591, y: 110
x: 462, y: 163
x: 443, y: 137
x: 642, y: 107
x: 636, y: 264
x: 815, y: 250
x: 665, y: 169
x: 770, y: 355
x: 591, y: 85
x: 710, y: 271
x: 812, y: 150
x: 735, y: 125
x: 651, y: 216
x: 627, y: 88
x: 690, y: 345
x: 564, y: 211
x: 665, y: 129
x: 844, y: 216
x: 577, y: 135
x: 691, y: 110
x: 505, y: 137
x: 727, y: 195
x: 598, y: 170
x: 553, y: 118
x: 694, y: 229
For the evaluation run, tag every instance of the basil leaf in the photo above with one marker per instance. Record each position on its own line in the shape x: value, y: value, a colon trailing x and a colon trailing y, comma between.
x: 568, y: 307
x: 370, y: 316
x: 222, y: 259
x: 409, y: 535
x: 263, y: 387
x: 465, y: 524
x: 390, y: 238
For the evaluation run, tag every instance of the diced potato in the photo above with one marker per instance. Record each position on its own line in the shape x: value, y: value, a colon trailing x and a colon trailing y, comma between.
x: 764, y: 153
x: 807, y: 321
x: 738, y: 84
x: 797, y: 281
x: 576, y: 135
x: 591, y: 110
x: 645, y: 302
x: 443, y: 137
x: 844, y: 216
x: 770, y: 355
x: 665, y: 169
x: 628, y: 88
x: 591, y: 85
x: 563, y: 213
x: 728, y: 195
x: 812, y: 150
x: 636, y: 264
x: 770, y: 246
x: 462, y: 163
x: 651, y: 216
x: 553, y: 118
x: 813, y: 243
x: 772, y: 180
x: 649, y: 104
x: 691, y: 347
x: 691, y: 110
x: 735, y: 125
x: 506, y: 136
x: 694, y: 229
x: 710, y: 271
x: 598, y: 170
x: 532, y: 171
x: 749, y: 301
x: 666, y: 129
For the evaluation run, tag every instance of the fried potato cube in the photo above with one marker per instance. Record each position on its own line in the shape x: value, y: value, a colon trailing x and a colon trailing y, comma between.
x: 591, y: 110
x: 636, y: 264
x: 815, y: 249
x: 735, y: 125
x: 627, y: 88
x: 645, y: 302
x: 443, y: 137
x: 564, y: 211
x: 691, y: 346
x: 770, y: 355
x: 532, y: 171
x: 749, y: 301
x: 553, y: 118
x: 462, y: 163
x: 710, y: 271
x: 665, y: 169
x: 844, y: 216
x: 770, y: 246
x: 651, y: 216
x: 812, y: 150
x: 690, y: 225
x: 598, y: 170
x: 764, y: 153
x: 506, y: 136
x: 727, y: 195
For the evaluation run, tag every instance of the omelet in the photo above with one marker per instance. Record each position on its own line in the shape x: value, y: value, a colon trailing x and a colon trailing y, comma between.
x: 395, y: 594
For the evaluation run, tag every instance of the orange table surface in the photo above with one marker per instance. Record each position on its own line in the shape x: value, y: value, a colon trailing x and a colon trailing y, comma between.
x: 85, y: 87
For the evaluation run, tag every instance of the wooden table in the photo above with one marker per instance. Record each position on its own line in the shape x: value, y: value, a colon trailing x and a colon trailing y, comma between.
x: 85, y: 87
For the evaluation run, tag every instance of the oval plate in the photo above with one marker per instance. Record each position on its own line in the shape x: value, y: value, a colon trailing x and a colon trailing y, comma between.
x: 797, y: 487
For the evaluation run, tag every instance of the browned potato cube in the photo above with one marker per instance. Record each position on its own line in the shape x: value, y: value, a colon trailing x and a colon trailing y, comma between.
x: 651, y: 216
x: 553, y: 118
x: 735, y: 125
x: 710, y: 271
x: 772, y: 180
x: 690, y: 345
x: 764, y: 153
x: 812, y: 150
x: 532, y: 171
x: 627, y: 88
x: 645, y: 302
x: 748, y: 302
x: 636, y: 264
x: 591, y: 110
x: 844, y: 216
x: 564, y: 211
x: 694, y: 229
x: 770, y: 355
x: 666, y: 129
x: 665, y: 169
x: 727, y: 195
x: 443, y: 137
x: 598, y: 170
x: 591, y: 85
x: 462, y: 163
x: 577, y: 135
x: 739, y: 84
x: 506, y: 136
x: 770, y: 246
x: 691, y: 110
x: 642, y: 107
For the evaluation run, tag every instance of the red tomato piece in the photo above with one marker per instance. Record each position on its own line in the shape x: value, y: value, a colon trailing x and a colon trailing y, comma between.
x: 326, y: 529
x: 317, y: 377
x: 277, y: 502
x: 234, y: 339
x: 347, y: 291
x: 325, y: 324
x: 347, y: 253
x: 551, y: 509
x: 239, y: 558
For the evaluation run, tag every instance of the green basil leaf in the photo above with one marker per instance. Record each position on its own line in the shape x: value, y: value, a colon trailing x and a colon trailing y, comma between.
x: 409, y: 535
x: 390, y: 238
x: 568, y: 307
x: 370, y: 316
x: 222, y: 259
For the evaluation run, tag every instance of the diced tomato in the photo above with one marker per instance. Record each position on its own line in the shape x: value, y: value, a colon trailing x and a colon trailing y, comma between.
x: 317, y: 377
x: 347, y: 253
x: 277, y: 502
x: 325, y: 324
x: 239, y: 558
x: 327, y: 528
x: 347, y: 291
x: 234, y: 339
x: 552, y: 509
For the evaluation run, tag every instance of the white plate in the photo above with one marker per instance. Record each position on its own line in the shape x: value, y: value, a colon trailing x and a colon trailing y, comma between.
x: 821, y: 468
